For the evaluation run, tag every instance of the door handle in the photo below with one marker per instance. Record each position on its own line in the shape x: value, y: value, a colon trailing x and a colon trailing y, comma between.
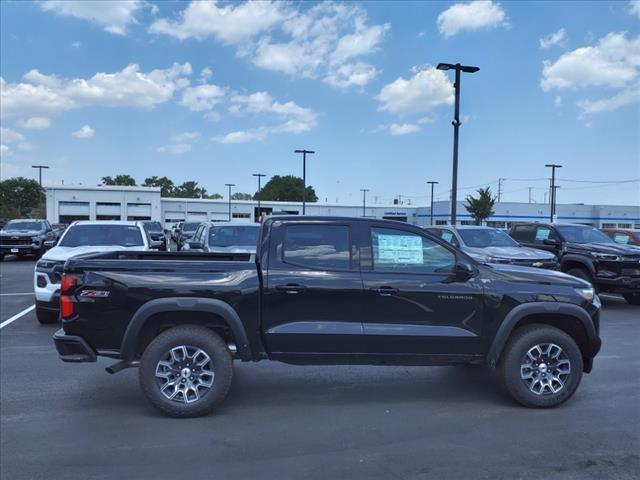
x: 291, y: 288
x: 386, y: 291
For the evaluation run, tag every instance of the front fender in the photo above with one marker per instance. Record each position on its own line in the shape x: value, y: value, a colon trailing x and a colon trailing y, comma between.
x: 573, y: 258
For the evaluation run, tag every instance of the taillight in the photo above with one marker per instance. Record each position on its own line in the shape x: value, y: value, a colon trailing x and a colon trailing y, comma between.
x: 67, y: 305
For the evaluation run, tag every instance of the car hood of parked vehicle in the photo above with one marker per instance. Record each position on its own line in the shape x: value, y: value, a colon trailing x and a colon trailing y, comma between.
x: 516, y: 253
x: 514, y: 273
x: 612, y: 248
x: 20, y: 233
x: 64, y: 253
x: 233, y: 249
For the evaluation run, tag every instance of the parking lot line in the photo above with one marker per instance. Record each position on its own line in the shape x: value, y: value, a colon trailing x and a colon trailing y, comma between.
x: 8, y: 294
x: 17, y: 316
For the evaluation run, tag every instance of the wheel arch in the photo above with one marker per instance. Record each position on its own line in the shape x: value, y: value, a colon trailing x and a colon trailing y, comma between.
x: 576, y: 261
x: 208, y: 312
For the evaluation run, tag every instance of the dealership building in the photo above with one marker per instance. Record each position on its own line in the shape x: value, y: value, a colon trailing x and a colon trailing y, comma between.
x: 68, y: 203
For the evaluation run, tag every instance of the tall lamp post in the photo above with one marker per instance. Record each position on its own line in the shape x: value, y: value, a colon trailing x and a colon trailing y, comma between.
x: 456, y: 125
x: 259, y: 175
x: 39, y: 167
x: 552, y: 201
x: 304, y: 177
x: 364, y: 201
x: 230, y: 185
x: 432, y: 184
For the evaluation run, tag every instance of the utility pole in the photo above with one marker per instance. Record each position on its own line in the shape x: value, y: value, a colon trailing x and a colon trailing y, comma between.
x: 259, y: 175
x: 364, y: 201
x: 500, y: 180
x: 456, y: 126
x: 39, y: 167
x: 304, y: 177
x: 552, y: 208
x: 432, y: 184
x: 530, y: 188
x: 230, y: 185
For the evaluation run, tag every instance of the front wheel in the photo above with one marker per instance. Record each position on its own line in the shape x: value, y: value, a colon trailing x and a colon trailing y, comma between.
x: 632, y: 298
x: 186, y: 371
x: 541, y: 366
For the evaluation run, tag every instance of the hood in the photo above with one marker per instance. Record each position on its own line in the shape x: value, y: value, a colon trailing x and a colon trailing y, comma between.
x: 233, y: 249
x: 513, y: 273
x: 20, y: 233
x: 612, y: 248
x: 64, y: 253
x: 515, y: 253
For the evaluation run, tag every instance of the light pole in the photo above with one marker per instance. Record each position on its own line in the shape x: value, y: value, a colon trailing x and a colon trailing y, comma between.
x: 230, y: 185
x: 304, y: 176
x: 259, y: 175
x: 432, y: 184
x: 552, y: 200
x: 364, y: 201
x: 39, y: 167
x: 456, y: 125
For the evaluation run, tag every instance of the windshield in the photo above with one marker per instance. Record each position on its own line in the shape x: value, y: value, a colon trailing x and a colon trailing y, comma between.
x: 23, y: 225
x: 102, y: 235
x: 231, y: 235
x: 190, y: 226
x: 153, y: 227
x: 583, y: 234
x: 486, y: 237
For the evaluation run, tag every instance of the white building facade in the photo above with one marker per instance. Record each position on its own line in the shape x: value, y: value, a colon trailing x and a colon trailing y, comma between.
x: 69, y: 203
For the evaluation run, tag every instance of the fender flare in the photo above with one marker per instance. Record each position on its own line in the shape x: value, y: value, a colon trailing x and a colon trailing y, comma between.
x: 521, y: 311
x: 170, y: 304
x: 587, y: 263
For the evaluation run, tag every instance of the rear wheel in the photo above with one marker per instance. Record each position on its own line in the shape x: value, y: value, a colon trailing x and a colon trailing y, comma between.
x: 541, y: 366
x: 632, y: 298
x: 186, y: 371
x: 46, y: 317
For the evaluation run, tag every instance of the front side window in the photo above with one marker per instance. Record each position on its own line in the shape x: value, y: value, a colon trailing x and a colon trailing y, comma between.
x: 544, y: 233
x: 583, y: 234
x: 621, y: 238
x: 325, y: 247
x: 486, y: 237
x: 102, y: 235
x: 406, y: 252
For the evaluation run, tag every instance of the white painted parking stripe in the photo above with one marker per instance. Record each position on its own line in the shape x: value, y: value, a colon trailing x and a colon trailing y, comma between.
x: 8, y: 294
x: 17, y: 316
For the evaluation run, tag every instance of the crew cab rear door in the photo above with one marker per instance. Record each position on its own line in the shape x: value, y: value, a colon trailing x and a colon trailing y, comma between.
x: 312, y: 291
x: 415, y: 304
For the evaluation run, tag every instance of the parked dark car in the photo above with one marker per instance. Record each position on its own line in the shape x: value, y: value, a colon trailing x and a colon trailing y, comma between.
x: 186, y: 232
x: 156, y: 233
x: 586, y: 252
x: 26, y: 237
x: 625, y: 236
x: 325, y: 291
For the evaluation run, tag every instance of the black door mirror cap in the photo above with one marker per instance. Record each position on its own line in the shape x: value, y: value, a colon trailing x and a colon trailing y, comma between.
x: 463, y: 270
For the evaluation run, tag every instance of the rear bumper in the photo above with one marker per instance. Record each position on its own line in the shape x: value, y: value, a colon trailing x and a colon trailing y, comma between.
x: 73, y: 349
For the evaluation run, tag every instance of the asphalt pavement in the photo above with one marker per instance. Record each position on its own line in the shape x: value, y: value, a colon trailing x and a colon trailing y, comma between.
x: 74, y: 421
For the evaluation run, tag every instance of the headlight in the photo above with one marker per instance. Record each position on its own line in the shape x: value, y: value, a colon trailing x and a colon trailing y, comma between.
x: 45, y: 264
x: 587, y: 293
x: 606, y: 256
x: 498, y: 260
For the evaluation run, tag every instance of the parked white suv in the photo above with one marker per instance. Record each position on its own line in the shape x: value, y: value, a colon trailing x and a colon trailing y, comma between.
x: 82, y: 237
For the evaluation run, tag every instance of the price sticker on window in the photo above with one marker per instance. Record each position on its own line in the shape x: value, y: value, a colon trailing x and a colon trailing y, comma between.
x: 403, y: 249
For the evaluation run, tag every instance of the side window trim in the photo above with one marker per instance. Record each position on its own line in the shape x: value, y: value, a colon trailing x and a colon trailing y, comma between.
x: 351, y: 268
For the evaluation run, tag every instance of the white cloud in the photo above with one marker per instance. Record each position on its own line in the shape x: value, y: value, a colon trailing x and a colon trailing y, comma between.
x: 10, y: 138
x: 558, y: 38
x: 185, y: 137
x: 5, y: 151
x: 557, y: 101
x: 206, y: 74
x: 85, y: 132
x: 50, y: 94
x: 175, y: 148
x: 36, y: 123
x: 634, y: 8
x: 613, y: 63
x: 403, y: 129
x: 276, y: 36
x: 76, y: 44
x: 115, y: 16
x: 242, y: 136
x: 479, y: 14
x: 202, y: 97
x: 425, y: 90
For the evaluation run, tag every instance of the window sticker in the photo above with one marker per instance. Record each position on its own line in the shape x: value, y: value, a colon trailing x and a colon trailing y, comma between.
x: 621, y: 238
x: 542, y: 234
x: 447, y: 237
x: 404, y: 249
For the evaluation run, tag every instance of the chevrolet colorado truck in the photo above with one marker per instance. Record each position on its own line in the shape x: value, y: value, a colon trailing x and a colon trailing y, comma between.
x: 325, y: 290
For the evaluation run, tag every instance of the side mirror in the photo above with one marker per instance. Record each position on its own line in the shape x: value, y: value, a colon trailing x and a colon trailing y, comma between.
x: 196, y: 246
x: 551, y: 242
x: 49, y: 243
x: 463, y: 271
x: 156, y: 244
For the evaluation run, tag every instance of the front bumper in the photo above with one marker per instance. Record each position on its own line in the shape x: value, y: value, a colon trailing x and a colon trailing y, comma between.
x: 72, y: 348
x: 621, y: 284
x: 20, y: 249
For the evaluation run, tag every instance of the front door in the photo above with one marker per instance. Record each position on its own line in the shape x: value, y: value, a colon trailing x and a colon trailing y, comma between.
x: 415, y: 306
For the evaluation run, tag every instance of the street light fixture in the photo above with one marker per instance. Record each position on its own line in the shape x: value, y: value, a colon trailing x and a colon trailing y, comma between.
x: 304, y: 177
x: 432, y: 184
x: 230, y: 185
x: 552, y: 201
x: 456, y: 125
x: 39, y: 167
x: 364, y: 201
x: 259, y: 175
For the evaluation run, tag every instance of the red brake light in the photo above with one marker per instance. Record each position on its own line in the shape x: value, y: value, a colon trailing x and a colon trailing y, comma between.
x: 68, y: 282
x: 66, y: 306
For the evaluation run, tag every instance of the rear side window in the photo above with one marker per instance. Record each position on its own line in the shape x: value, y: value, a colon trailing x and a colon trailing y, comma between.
x: 523, y: 233
x: 324, y: 247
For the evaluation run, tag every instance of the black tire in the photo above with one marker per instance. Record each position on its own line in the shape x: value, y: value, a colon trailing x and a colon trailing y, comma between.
x: 581, y: 273
x: 515, y: 354
x: 46, y: 317
x: 1, y: 257
x: 193, y: 336
x: 632, y: 298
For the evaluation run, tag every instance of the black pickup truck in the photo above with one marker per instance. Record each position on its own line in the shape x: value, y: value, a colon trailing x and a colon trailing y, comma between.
x: 325, y: 291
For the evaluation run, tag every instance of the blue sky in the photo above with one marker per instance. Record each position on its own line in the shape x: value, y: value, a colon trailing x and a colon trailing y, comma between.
x: 217, y: 91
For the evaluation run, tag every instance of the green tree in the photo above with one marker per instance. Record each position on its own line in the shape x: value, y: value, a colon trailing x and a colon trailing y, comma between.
x: 190, y: 189
x: 241, y: 196
x: 287, y: 188
x: 481, y: 207
x: 124, y: 180
x: 213, y: 196
x: 167, y: 187
x: 19, y: 196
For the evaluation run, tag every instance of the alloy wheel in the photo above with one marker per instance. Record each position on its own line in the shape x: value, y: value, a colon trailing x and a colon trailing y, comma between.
x: 545, y: 369
x: 184, y: 374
